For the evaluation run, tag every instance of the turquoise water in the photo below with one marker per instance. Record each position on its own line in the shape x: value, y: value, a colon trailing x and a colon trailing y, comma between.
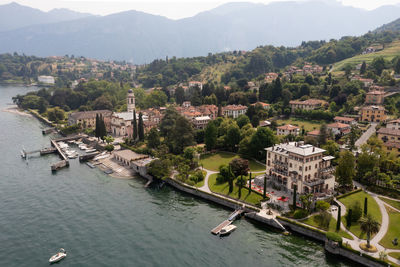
x: 102, y: 221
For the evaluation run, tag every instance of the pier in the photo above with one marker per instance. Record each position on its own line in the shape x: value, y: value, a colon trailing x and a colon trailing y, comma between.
x: 49, y: 130
x: 227, y: 222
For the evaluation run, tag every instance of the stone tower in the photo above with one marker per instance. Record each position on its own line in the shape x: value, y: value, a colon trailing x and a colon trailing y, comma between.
x: 130, y: 98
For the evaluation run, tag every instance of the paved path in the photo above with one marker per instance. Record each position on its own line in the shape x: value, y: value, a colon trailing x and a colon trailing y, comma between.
x: 385, y: 221
x: 366, y: 135
x: 205, y: 186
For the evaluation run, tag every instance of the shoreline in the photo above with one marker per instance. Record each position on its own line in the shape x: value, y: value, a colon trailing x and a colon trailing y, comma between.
x: 15, y: 110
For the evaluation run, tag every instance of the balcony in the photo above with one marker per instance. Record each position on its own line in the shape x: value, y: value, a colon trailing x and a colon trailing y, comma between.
x: 327, y: 170
x: 280, y: 163
x: 315, y: 182
x: 281, y: 172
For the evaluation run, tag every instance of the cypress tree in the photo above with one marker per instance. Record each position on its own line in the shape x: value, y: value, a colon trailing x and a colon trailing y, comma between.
x: 141, y: 127
x: 230, y: 180
x: 265, y: 187
x: 294, y: 197
x: 250, y: 184
x: 348, y: 219
x: 363, y: 68
x: 339, y: 219
x: 97, y: 129
x: 365, y: 206
x: 135, y: 127
x: 102, y: 126
x: 240, y: 186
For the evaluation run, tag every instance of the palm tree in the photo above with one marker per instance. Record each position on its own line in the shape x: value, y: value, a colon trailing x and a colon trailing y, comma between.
x: 369, y: 226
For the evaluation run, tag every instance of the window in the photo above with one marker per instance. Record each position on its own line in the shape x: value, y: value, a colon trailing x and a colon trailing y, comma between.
x: 316, y: 166
x: 300, y: 168
x: 306, y: 168
x: 290, y: 165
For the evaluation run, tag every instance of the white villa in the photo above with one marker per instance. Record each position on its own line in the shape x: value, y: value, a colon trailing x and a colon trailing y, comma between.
x: 295, y: 164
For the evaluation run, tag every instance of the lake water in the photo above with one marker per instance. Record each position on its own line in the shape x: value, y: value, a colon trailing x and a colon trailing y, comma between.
x: 102, y: 221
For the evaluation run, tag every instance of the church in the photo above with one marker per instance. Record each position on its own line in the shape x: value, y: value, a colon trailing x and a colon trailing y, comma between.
x: 121, y: 122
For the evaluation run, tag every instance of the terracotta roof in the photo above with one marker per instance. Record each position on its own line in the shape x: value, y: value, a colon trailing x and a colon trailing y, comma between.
x: 314, y: 132
x: 262, y: 104
x: 344, y: 119
x: 310, y: 101
x: 395, y: 121
x: 389, y: 131
x: 288, y: 127
x: 337, y: 125
x: 235, y: 107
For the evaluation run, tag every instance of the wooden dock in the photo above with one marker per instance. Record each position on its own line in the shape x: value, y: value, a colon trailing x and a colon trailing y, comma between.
x: 227, y: 222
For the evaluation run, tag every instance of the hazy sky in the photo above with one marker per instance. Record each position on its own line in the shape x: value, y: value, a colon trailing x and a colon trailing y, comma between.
x: 170, y: 8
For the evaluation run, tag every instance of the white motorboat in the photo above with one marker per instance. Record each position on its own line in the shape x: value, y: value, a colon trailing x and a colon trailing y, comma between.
x: 82, y: 147
x: 59, y: 256
x: 90, y: 150
x: 227, y: 230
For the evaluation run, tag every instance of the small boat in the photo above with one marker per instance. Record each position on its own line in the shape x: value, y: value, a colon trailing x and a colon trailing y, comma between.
x: 227, y: 230
x: 91, y: 150
x: 59, y: 256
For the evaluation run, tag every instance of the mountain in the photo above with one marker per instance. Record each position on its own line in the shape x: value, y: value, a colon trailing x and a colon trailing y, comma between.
x: 139, y: 37
x: 392, y: 26
x: 14, y: 16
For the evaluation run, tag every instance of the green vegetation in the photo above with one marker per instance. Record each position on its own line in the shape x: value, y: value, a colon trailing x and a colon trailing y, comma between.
x: 395, y: 255
x: 373, y: 210
x: 223, y: 188
x: 391, y: 51
x: 334, y: 237
x: 213, y: 161
x: 308, y: 125
x: 313, y: 221
x: 395, y: 204
x: 393, y: 231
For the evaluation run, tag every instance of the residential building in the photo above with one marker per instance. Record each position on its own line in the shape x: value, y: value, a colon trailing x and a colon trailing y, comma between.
x: 366, y: 82
x: 196, y: 83
x: 375, y: 97
x: 121, y: 122
x: 394, y: 124
x: 288, y: 129
x: 201, y: 122
x: 338, y: 128
x: 270, y: 77
x: 315, y: 133
x: 87, y: 119
x: 137, y: 162
x: 373, y: 114
x: 345, y: 120
x: 264, y: 105
x: 234, y: 111
x: 389, y: 135
x: 46, y: 79
x: 308, y: 104
x: 304, y: 166
x: 390, y: 138
x: 265, y: 123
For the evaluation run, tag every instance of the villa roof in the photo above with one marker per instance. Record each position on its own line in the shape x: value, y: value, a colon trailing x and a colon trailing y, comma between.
x: 129, y: 155
x: 294, y: 147
x: 235, y: 107
x: 310, y: 101
x: 126, y: 116
x: 338, y: 118
x: 337, y: 125
x: 395, y: 121
x: 389, y: 131
x: 89, y: 114
x: 288, y: 127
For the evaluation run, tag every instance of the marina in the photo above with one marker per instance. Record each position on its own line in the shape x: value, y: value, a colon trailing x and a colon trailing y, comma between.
x: 232, y: 217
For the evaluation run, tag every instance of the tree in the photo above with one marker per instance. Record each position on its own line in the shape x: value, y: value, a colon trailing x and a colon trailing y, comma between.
x: 55, y: 114
x: 321, y: 205
x: 210, y: 136
x: 356, y: 211
x: 353, y: 137
x: 179, y: 95
x: 294, y: 197
x: 363, y: 68
x: 378, y: 64
x: 153, y: 138
x: 102, y: 128
x: 265, y: 187
x: 250, y: 184
x: 345, y: 170
x: 369, y: 226
x: 239, y: 166
x: 135, y: 127
x: 102, y: 103
x: 141, y: 127
x: 347, y: 70
x: 242, y: 120
x: 109, y: 139
x: 323, y: 135
x: 263, y: 138
x: 397, y: 66
x: 339, y: 218
x: 231, y: 177
x: 109, y: 147
x: 160, y: 169
x: 348, y: 218
x: 232, y: 137
x: 306, y: 200
x: 365, y: 206
x: 255, y: 121
x: 97, y: 129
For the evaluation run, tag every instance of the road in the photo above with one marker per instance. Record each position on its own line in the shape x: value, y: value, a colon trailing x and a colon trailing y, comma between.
x: 366, y: 135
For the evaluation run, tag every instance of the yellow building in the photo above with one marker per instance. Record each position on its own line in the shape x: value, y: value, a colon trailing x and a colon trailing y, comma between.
x: 375, y: 97
x: 373, y: 114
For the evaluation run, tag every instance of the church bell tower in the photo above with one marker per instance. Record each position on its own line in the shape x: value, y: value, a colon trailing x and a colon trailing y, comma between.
x: 130, y: 101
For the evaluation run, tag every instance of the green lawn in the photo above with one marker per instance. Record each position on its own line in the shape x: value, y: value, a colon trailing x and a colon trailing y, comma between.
x: 201, y: 183
x: 253, y: 198
x: 213, y: 161
x: 308, y: 125
x: 332, y: 226
x: 373, y: 209
x: 395, y: 204
x: 393, y: 231
x: 395, y: 255
x: 391, y: 51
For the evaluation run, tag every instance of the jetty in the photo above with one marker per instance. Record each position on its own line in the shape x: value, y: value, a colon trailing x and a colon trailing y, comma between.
x: 227, y: 222
x: 49, y: 130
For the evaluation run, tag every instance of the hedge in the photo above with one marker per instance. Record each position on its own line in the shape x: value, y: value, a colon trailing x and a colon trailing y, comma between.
x: 300, y: 224
x: 334, y: 237
x: 349, y: 193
